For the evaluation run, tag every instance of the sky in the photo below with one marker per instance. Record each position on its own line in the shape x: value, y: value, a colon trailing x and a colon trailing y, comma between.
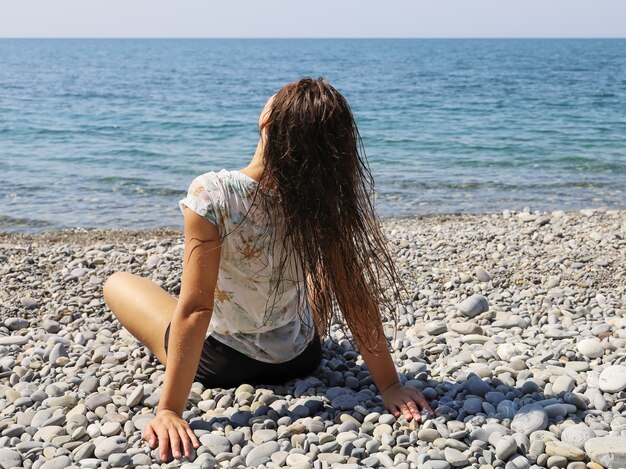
x: 308, y: 19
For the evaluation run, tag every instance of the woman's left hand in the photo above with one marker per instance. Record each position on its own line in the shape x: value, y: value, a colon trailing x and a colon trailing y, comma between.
x: 405, y: 400
x: 168, y: 430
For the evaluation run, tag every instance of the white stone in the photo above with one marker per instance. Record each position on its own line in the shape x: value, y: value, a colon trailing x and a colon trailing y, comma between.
x: 577, y: 435
x: 530, y: 418
x: 613, y: 379
x: 608, y: 451
x: 591, y: 348
x: 506, y: 447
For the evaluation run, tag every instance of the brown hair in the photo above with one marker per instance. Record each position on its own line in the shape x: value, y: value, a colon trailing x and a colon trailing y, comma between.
x: 322, y: 188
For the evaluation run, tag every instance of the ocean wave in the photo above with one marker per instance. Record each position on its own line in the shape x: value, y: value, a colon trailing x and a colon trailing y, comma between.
x: 7, y: 221
x: 500, y: 186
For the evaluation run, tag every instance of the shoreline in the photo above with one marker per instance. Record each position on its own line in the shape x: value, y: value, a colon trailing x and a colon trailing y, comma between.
x: 77, y: 233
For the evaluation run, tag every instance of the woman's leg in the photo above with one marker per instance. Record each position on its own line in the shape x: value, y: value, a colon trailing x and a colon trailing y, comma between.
x: 144, y: 308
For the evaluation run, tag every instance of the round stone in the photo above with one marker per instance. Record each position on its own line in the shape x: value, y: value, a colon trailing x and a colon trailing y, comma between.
x: 98, y: 400
x: 478, y: 387
x: 577, y: 435
x: 436, y: 327
x: 428, y: 435
x: 262, y: 453
x: 261, y: 436
x: 119, y: 459
x: 506, y: 447
x: 29, y: 303
x: 608, y: 451
x: 57, y: 351
x: 613, y: 379
x: 455, y: 457
x: 110, y: 428
x: 563, y: 383
x: 591, y: 348
x: 10, y: 458
x: 473, y: 306
x: 518, y: 462
x: 216, y: 444
x: 78, y: 272
x: 295, y: 459
x: 530, y: 418
x: 494, y: 397
x: 15, y: 324
x: 482, y: 275
x: 344, y: 402
x: 108, y: 446
x: 60, y: 462
x: 473, y: 405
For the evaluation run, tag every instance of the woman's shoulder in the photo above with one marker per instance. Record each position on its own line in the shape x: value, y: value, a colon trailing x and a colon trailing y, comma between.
x: 213, y: 176
x: 227, y: 177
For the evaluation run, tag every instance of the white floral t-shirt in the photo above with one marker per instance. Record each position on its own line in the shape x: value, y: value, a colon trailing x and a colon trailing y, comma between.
x: 248, y: 273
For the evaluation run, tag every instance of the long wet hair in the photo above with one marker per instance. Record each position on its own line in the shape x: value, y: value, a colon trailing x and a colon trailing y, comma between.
x: 320, y: 191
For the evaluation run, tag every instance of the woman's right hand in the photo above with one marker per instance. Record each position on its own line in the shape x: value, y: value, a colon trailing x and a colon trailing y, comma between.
x: 168, y: 430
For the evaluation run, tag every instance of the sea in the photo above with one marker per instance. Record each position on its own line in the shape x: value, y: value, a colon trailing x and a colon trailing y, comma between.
x: 108, y: 133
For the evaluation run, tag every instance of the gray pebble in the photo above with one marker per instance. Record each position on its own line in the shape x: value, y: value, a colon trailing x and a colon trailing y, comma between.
x: 15, y: 324
x: 482, y: 275
x: 473, y: 306
x: 529, y: 419
x: 216, y: 444
x: 455, y: 457
x: 10, y: 458
x: 261, y: 454
x: 97, y: 400
x: 108, y: 446
x: 29, y: 303
x: 506, y: 447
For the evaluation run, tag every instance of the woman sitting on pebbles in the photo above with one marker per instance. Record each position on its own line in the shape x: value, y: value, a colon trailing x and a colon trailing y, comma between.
x: 269, y: 251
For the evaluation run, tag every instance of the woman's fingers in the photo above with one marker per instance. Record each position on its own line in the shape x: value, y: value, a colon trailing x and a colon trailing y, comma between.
x: 193, y: 437
x: 421, y: 400
x: 185, y: 440
x: 413, y: 410
x: 174, y: 442
x: 410, y: 410
x: 408, y: 403
x: 163, y: 443
x: 149, y: 435
x: 175, y: 436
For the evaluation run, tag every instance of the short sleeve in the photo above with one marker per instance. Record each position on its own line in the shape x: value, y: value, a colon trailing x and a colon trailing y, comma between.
x: 205, y: 197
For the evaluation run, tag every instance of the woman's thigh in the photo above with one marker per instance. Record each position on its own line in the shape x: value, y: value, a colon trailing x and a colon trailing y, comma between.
x: 142, y: 307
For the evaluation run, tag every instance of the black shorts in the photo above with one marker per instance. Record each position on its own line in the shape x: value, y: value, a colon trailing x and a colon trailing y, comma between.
x: 224, y: 367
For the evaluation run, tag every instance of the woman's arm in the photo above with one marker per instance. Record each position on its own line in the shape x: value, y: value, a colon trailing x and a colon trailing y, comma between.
x: 379, y: 362
x: 187, y: 333
x: 396, y: 397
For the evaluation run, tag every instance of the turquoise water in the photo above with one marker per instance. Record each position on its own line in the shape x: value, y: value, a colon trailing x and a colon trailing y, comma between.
x: 109, y: 133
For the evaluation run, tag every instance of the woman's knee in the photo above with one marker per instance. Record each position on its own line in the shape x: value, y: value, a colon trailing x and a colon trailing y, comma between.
x: 113, y: 284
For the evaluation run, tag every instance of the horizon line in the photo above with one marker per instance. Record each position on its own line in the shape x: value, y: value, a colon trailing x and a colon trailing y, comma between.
x: 307, y: 38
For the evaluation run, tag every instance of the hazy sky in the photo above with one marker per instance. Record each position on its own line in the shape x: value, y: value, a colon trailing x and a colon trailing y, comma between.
x: 319, y: 18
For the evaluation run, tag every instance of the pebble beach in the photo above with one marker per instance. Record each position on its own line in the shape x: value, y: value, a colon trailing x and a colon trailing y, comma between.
x: 513, y: 326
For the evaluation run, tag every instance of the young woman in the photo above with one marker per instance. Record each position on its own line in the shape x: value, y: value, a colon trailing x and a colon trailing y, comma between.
x: 271, y: 252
